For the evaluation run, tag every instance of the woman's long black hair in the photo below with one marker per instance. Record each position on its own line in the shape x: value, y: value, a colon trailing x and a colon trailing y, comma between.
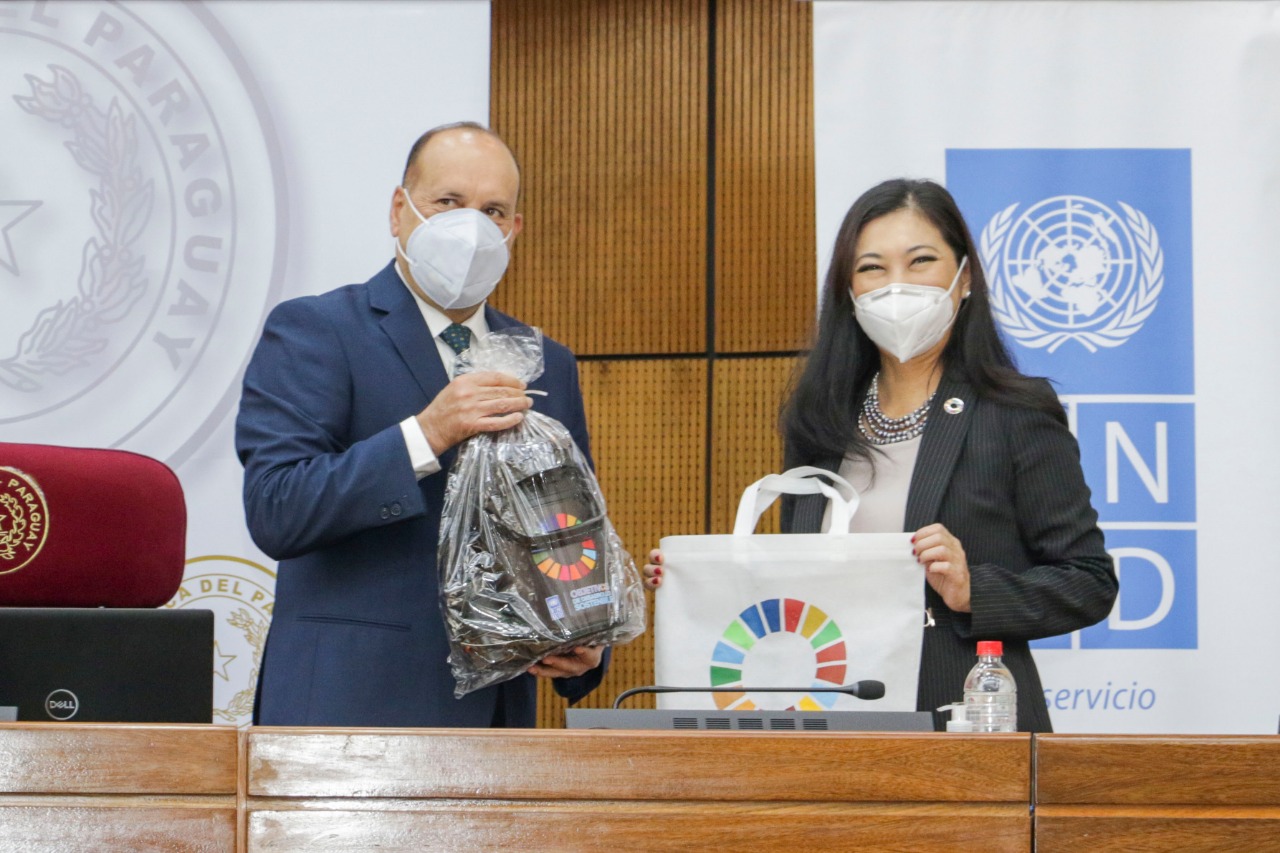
x: 819, y: 419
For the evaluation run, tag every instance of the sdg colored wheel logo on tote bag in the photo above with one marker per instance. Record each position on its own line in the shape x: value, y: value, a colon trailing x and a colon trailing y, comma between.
x: 781, y: 629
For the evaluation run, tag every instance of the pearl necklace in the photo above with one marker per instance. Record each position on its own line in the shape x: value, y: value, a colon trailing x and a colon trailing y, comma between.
x: 879, y: 429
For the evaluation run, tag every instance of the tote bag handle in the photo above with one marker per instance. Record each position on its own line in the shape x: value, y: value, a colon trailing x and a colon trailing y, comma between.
x: 805, y: 480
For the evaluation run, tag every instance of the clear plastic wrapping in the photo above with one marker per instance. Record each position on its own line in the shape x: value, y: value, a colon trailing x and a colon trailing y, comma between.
x: 529, y: 563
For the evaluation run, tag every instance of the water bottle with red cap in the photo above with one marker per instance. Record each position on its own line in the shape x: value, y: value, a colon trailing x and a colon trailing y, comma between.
x: 990, y: 696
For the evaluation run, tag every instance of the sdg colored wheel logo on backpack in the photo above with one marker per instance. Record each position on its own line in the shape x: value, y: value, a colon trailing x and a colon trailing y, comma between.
x: 570, y: 562
x: 779, y: 634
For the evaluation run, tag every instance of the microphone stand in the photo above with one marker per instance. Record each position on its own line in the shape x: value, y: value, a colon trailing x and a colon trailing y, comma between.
x: 871, y: 689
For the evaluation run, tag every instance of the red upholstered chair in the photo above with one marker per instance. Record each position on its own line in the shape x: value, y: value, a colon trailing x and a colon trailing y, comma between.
x: 83, y: 527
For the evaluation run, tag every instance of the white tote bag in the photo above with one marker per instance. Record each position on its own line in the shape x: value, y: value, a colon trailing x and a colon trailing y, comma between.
x: 781, y: 610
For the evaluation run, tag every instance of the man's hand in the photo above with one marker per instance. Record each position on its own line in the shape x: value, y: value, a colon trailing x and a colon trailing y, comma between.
x: 567, y: 665
x: 485, y: 401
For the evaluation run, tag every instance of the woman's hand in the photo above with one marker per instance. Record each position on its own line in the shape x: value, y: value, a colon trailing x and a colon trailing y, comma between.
x: 946, y: 568
x: 652, y: 570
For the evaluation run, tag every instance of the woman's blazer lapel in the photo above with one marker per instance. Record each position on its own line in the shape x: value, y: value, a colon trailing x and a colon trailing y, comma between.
x: 949, y: 418
x: 940, y: 447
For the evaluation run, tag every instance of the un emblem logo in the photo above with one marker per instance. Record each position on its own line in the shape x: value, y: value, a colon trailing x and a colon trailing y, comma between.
x: 1071, y: 268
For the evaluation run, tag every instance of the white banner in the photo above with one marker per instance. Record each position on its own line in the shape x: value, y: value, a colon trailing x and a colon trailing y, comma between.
x: 1116, y: 162
x: 170, y: 172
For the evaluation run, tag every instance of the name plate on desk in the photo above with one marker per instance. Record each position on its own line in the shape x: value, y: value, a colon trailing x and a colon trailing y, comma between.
x: 751, y: 721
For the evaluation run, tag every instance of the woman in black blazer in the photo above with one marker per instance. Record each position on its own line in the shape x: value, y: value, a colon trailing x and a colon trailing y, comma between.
x: 910, y: 394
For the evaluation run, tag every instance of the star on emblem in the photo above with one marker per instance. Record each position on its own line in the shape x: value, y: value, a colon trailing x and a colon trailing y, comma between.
x: 221, y: 662
x: 8, y: 219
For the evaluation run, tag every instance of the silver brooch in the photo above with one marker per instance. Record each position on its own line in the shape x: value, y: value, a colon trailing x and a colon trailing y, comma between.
x: 954, y: 406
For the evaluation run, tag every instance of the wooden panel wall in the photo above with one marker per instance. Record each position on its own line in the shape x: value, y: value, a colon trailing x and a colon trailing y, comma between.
x: 605, y: 105
x: 648, y: 425
x: 667, y: 155
x: 765, y: 262
x: 746, y: 397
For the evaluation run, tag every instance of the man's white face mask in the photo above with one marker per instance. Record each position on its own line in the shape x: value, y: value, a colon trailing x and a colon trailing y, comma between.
x: 456, y: 256
x: 906, y: 319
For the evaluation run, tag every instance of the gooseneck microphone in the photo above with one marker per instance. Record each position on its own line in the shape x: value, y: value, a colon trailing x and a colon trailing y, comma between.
x: 861, y: 690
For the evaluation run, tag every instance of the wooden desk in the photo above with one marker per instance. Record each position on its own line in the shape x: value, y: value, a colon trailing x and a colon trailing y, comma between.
x: 88, y: 788
x: 422, y: 789
x: 98, y: 787
x: 1150, y: 793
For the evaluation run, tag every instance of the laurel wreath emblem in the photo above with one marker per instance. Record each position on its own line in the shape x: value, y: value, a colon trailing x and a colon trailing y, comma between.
x: 1022, y: 326
x: 9, y: 539
x: 66, y: 335
x: 255, y: 633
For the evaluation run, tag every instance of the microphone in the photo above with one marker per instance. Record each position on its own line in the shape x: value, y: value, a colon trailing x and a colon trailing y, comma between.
x: 861, y: 690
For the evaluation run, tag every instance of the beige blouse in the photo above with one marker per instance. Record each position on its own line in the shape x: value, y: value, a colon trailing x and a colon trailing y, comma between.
x: 883, y: 504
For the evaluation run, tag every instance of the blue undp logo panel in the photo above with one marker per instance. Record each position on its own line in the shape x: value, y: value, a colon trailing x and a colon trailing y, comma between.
x: 1088, y: 258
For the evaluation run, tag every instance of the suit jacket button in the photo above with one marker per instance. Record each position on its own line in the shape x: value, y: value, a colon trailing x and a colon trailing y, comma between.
x: 396, y: 509
x: 385, y: 513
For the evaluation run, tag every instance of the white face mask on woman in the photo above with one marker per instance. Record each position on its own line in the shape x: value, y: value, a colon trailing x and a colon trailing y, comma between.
x: 456, y: 256
x: 906, y: 319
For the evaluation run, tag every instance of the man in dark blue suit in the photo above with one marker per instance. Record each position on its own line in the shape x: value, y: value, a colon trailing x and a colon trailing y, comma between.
x: 348, y: 426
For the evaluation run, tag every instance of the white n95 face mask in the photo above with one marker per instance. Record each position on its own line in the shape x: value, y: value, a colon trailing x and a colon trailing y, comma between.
x: 906, y: 319
x: 456, y: 256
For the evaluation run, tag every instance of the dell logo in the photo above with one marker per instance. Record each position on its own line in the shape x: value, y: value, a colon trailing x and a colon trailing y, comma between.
x: 61, y: 705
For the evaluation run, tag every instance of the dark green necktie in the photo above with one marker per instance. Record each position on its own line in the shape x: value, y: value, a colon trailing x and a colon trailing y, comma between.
x: 457, y: 336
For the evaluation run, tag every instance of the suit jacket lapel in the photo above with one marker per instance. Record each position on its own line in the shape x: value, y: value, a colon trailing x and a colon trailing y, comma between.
x: 405, y: 327
x: 497, y: 320
x: 939, y: 449
x: 403, y: 324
